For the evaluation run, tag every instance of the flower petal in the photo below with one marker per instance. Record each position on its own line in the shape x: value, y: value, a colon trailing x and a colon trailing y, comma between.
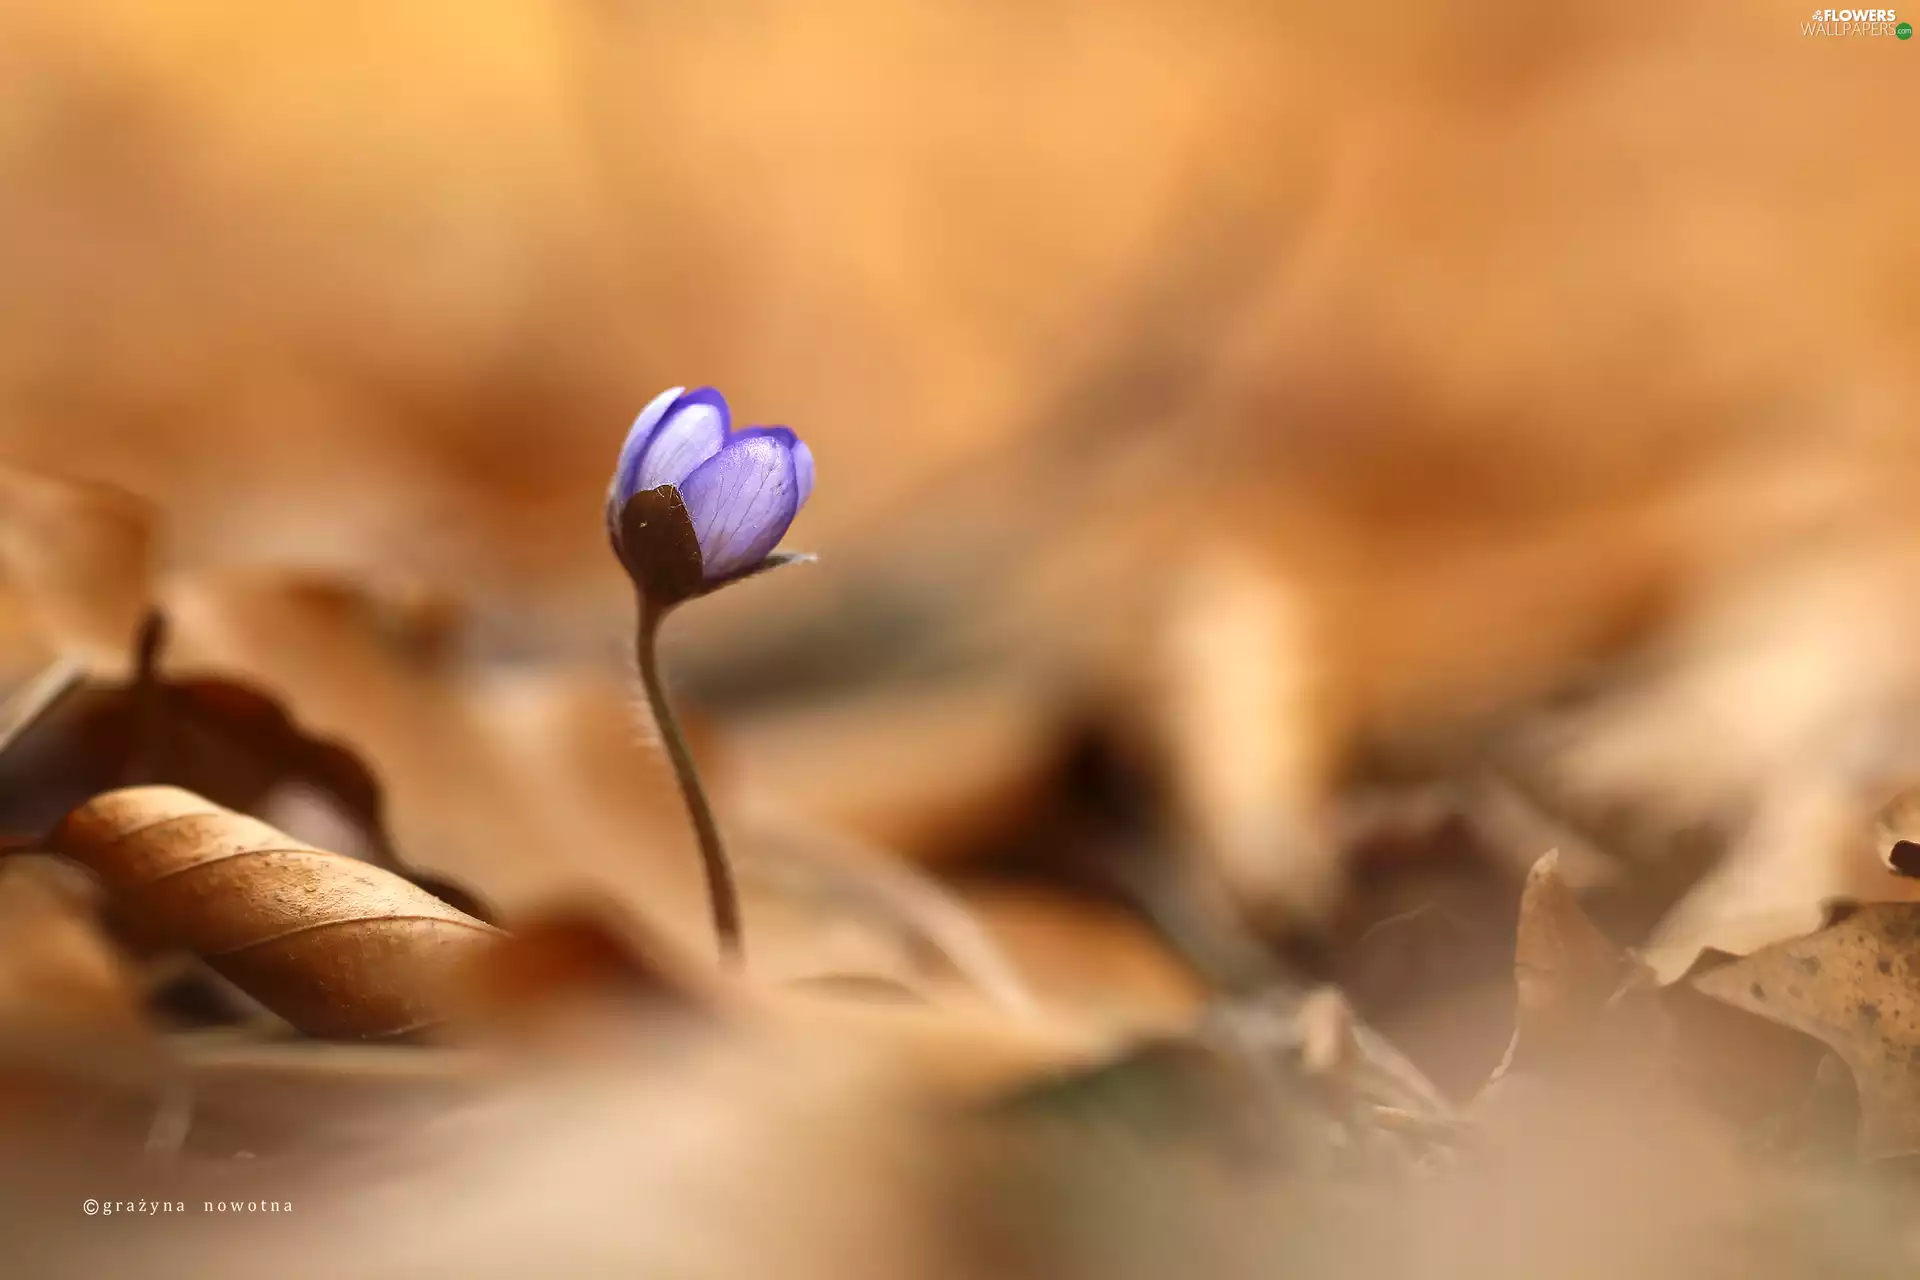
x: 693, y: 429
x: 741, y: 501
x: 626, y: 471
x: 802, y: 457
x: 803, y: 470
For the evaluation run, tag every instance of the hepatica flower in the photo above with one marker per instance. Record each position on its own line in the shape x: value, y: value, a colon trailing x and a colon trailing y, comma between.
x: 741, y: 488
x: 695, y: 505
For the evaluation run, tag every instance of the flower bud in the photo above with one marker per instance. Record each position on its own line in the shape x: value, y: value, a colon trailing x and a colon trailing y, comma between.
x: 741, y: 489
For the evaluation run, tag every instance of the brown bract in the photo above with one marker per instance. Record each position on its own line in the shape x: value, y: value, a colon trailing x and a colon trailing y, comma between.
x: 657, y: 545
x: 337, y: 947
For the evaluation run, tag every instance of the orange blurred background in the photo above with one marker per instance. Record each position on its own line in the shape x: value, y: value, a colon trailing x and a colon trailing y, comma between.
x: 379, y: 287
x: 1308, y: 371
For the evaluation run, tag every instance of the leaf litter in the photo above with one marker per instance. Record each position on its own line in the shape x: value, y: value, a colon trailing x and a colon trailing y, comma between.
x: 300, y: 901
x: 982, y: 1065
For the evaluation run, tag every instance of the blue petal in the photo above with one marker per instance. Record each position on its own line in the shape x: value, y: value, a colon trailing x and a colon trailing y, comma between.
x: 742, y: 500
x: 803, y: 470
x: 627, y: 469
x: 692, y: 430
x: 802, y: 457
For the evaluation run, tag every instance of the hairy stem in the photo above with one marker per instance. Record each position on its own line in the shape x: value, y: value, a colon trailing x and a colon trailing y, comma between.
x: 722, y: 894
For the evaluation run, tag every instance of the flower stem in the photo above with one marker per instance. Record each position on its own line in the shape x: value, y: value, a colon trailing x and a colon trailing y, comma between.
x: 722, y: 894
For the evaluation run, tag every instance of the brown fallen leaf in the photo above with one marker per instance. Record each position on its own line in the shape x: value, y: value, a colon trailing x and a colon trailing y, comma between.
x: 79, y: 1061
x: 1317, y: 1034
x: 1591, y: 1011
x: 337, y: 947
x: 1896, y: 833
x: 58, y: 970
x: 278, y: 1098
x: 583, y: 974
x: 1242, y: 710
x: 79, y: 558
x: 477, y: 767
x: 849, y: 881
x: 936, y: 773
x: 1088, y: 959
x: 1566, y: 972
x: 1855, y: 986
x: 582, y: 957
x: 34, y: 697
x: 66, y: 735
x: 1807, y: 843
x: 567, y: 760
x: 1777, y: 702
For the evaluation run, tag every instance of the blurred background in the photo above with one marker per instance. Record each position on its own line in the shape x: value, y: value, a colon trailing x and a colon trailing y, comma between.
x: 1281, y: 467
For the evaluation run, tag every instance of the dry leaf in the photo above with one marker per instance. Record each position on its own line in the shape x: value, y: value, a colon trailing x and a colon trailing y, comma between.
x: 65, y: 736
x: 1806, y: 844
x: 337, y: 947
x: 80, y: 557
x: 1326, y: 1029
x: 1088, y: 960
x: 80, y: 1066
x: 578, y: 970
x: 479, y: 766
x: 476, y: 767
x: 1565, y: 970
x: 1587, y: 1008
x: 1855, y: 986
x: 31, y: 700
x: 1317, y: 1033
x: 577, y: 958
x: 1896, y: 831
x: 934, y: 773
x: 1582, y: 1004
x: 1248, y: 734
x: 58, y: 970
x: 847, y: 880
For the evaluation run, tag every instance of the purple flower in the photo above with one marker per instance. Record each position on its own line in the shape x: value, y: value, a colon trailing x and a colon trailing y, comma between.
x: 741, y: 488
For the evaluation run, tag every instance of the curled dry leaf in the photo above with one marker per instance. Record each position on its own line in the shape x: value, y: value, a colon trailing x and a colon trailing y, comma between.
x: 1855, y: 986
x: 65, y: 736
x: 476, y: 768
x: 337, y: 947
